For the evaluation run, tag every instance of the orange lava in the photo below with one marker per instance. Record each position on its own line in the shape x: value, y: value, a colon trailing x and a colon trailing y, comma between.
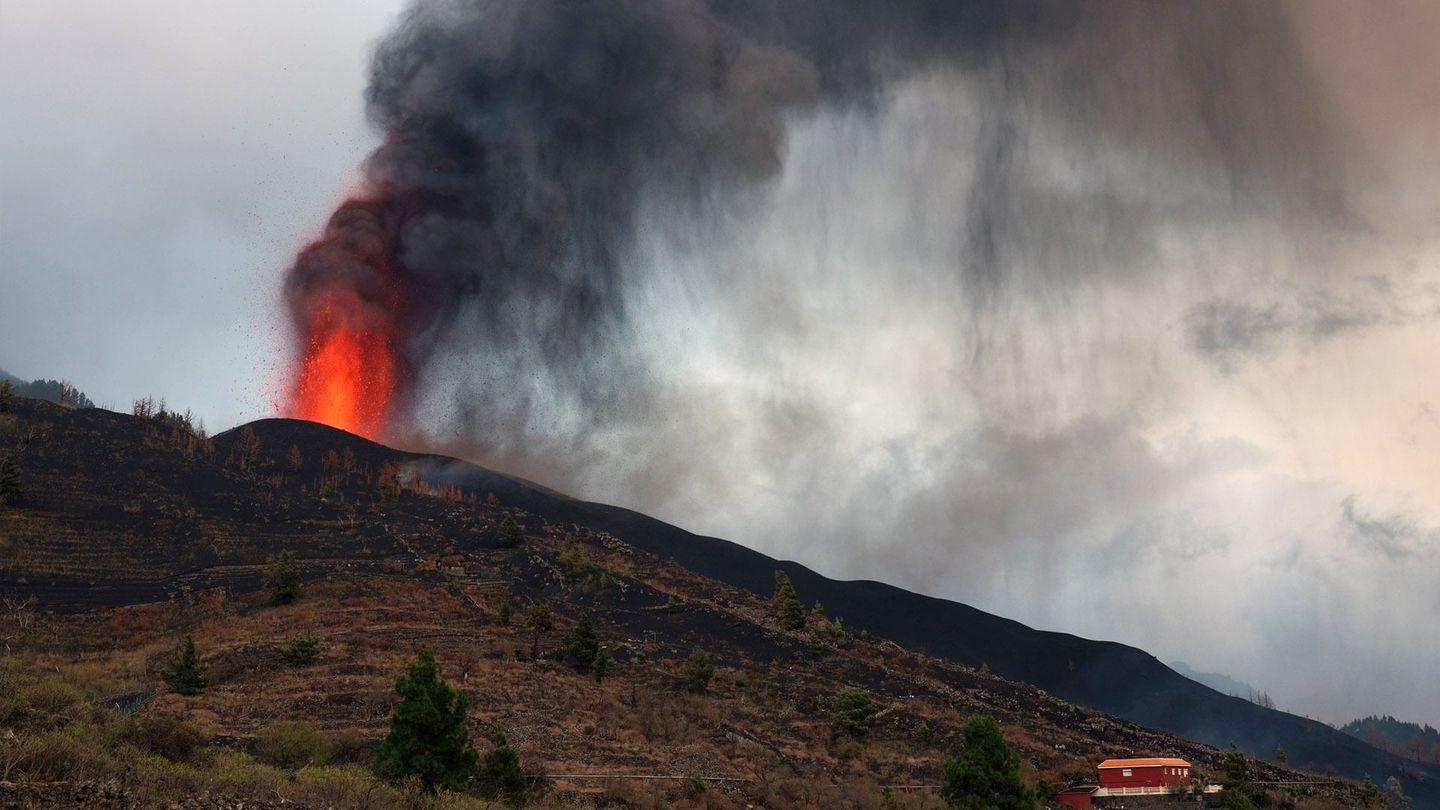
x: 345, y: 300
x: 347, y: 379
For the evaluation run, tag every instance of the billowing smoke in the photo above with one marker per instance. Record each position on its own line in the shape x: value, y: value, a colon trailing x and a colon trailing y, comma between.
x: 985, y: 298
x: 520, y: 139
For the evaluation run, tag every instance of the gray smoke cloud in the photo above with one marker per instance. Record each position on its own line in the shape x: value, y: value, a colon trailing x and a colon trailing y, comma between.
x: 996, y: 300
x: 522, y: 139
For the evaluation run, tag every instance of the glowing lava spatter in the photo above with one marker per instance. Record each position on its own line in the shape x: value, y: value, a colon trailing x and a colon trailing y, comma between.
x: 346, y: 380
x: 345, y: 300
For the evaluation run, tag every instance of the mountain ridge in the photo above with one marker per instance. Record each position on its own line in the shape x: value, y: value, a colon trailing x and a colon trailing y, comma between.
x: 145, y: 489
x: 1218, y: 681
x: 1110, y: 676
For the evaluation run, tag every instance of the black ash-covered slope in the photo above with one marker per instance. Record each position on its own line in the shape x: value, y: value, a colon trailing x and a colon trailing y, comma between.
x: 116, y: 517
x: 1109, y: 676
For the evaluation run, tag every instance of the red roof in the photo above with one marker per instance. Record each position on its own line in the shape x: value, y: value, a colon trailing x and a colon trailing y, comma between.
x: 1149, y: 762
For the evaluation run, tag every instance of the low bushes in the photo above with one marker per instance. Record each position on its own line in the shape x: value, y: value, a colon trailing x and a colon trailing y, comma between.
x: 173, y: 738
x: 52, y: 696
x: 299, y: 650
x: 293, y: 746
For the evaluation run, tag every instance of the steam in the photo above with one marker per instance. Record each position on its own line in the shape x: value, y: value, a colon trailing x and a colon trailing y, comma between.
x: 972, y: 297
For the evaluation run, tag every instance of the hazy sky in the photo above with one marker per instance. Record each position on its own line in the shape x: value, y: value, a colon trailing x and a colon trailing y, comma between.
x: 1187, y: 397
x: 160, y: 163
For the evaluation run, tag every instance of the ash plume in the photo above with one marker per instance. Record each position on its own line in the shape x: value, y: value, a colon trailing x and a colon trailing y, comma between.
x: 932, y: 292
x: 521, y: 138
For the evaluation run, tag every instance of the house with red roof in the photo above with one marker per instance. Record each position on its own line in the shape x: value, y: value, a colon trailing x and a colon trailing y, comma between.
x: 1151, y: 774
x: 1145, y: 776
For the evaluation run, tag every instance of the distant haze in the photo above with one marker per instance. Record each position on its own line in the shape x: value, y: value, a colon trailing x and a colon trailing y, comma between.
x: 1116, y: 319
x: 1220, y: 682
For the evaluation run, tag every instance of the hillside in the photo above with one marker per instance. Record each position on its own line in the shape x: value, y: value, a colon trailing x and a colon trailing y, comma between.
x: 1218, y: 681
x: 1411, y: 740
x: 135, y: 531
x: 52, y: 390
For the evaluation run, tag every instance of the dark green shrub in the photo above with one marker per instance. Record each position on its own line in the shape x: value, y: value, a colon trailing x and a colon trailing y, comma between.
x: 697, y: 670
x: 581, y: 645
x: 299, y: 650
x: 282, y: 578
x: 853, y: 712
x: 500, y: 776
x: 510, y: 533
x: 923, y: 733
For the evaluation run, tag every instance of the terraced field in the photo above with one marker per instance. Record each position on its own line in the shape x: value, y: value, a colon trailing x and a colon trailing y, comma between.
x: 124, y: 555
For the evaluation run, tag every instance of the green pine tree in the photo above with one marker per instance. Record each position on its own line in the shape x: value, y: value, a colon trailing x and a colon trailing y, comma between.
x: 282, y: 578
x: 500, y: 776
x: 785, y: 604
x: 986, y: 776
x: 697, y: 670
x: 1240, y: 792
x: 581, y: 645
x: 511, y: 535
x: 185, y: 674
x: 853, y: 711
x: 506, y: 611
x: 429, y: 738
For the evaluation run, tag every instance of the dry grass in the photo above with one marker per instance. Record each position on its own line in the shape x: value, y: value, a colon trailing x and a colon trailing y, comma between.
x: 367, y: 600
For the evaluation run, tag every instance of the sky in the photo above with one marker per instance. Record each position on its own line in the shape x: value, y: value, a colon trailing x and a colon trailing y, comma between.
x: 160, y: 164
x: 1130, y: 330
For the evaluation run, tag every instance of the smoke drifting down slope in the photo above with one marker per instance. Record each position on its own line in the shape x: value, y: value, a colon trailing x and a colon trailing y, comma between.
x: 960, y: 295
x: 522, y: 139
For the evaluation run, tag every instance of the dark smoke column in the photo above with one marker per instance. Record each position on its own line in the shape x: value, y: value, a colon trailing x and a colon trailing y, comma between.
x: 517, y: 139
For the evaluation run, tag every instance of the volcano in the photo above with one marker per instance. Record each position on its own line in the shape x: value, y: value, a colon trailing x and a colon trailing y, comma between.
x: 208, y: 527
